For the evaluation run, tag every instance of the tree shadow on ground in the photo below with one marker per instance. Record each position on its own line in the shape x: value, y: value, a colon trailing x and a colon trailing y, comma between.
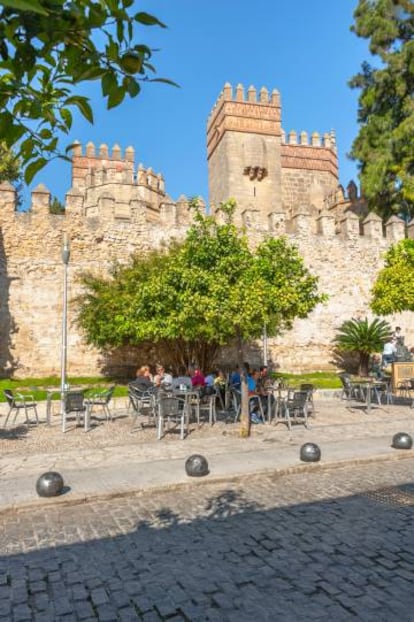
x: 221, y: 557
x: 13, y: 434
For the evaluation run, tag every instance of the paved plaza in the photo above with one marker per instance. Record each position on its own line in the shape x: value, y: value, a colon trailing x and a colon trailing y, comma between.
x: 262, y: 537
x: 335, y: 544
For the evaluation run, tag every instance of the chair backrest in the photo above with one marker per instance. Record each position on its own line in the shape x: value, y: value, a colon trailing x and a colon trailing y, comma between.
x: 345, y: 379
x: 236, y: 398
x: 298, y: 399
x: 8, y: 393
x: 74, y: 401
x: 109, y: 393
x: 169, y: 405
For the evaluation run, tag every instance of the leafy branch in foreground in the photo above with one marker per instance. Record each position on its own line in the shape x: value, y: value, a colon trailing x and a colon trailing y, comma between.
x: 48, y: 48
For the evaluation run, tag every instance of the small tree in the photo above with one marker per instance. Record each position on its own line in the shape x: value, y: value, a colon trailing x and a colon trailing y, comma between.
x: 204, y: 293
x: 393, y: 290
x: 363, y: 337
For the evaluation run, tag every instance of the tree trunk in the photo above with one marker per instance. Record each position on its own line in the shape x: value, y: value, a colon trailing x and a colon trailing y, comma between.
x: 244, y: 408
x: 363, y: 364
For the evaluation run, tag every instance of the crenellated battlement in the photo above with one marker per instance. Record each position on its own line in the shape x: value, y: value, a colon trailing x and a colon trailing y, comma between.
x: 240, y: 111
x: 96, y: 167
x: 326, y: 140
x: 283, y: 184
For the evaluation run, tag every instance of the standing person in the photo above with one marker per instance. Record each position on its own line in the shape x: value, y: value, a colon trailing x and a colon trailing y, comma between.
x: 388, y: 353
x: 398, y: 336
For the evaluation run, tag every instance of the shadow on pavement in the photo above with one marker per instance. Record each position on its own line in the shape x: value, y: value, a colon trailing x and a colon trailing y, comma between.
x: 220, y: 557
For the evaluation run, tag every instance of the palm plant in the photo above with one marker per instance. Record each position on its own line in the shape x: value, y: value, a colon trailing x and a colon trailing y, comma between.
x: 364, y: 338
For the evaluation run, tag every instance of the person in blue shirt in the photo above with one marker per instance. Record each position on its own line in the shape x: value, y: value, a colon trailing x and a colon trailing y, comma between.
x: 235, y: 378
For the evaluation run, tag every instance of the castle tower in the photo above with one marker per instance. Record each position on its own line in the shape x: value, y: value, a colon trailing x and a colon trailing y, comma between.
x: 244, y: 151
x: 251, y: 159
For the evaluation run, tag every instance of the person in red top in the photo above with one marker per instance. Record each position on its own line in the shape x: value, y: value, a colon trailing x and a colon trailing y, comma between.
x: 197, y: 379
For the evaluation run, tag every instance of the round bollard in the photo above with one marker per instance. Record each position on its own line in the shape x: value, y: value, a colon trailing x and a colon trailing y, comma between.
x: 196, y: 466
x: 49, y: 484
x: 402, y: 440
x: 310, y: 452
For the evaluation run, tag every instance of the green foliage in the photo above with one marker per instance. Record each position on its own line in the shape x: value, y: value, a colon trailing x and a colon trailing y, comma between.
x: 384, y: 146
x: 38, y: 386
x: 47, y: 49
x: 363, y: 337
x: 393, y: 290
x: 321, y: 380
x: 10, y: 169
x: 56, y: 207
x: 206, y: 291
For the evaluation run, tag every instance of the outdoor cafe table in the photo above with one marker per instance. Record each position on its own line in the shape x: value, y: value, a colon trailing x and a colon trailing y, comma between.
x: 52, y: 393
x: 367, y: 388
x: 191, y: 398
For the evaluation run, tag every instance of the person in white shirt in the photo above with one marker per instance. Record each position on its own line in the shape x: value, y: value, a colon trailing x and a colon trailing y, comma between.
x: 388, y: 353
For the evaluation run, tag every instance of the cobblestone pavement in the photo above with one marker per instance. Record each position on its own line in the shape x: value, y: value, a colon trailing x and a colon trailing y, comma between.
x: 328, y: 545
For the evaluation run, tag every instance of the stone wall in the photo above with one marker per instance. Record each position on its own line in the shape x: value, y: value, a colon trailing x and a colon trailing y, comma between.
x: 283, y: 185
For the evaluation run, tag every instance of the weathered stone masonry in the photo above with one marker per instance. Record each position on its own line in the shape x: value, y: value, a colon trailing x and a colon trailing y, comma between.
x: 284, y: 184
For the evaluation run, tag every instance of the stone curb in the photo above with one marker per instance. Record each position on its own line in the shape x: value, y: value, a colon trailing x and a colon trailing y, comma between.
x: 77, y: 499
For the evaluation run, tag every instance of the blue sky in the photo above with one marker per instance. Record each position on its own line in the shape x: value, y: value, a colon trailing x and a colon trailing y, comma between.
x: 304, y: 49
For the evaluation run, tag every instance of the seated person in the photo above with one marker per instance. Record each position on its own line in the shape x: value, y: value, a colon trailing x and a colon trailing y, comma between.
x: 375, y: 369
x: 254, y: 408
x: 143, y: 380
x: 162, y: 378
x: 209, y: 379
x: 197, y: 379
x: 235, y: 379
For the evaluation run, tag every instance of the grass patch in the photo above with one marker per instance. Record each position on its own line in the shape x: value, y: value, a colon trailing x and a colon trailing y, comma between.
x: 38, y: 387
x: 321, y: 380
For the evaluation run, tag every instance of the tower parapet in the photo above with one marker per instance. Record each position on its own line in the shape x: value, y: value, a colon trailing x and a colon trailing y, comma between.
x: 240, y: 112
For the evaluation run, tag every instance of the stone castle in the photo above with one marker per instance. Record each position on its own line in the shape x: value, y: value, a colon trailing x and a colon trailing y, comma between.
x: 284, y: 184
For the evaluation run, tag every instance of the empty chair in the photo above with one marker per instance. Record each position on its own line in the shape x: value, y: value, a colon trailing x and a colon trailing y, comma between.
x: 207, y: 404
x: 171, y: 408
x: 74, y: 402
x: 100, y: 399
x: 295, y: 408
x: 20, y: 403
x: 310, y: 388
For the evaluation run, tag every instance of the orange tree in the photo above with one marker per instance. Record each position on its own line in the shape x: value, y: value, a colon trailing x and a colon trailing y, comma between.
x: 209, y: 291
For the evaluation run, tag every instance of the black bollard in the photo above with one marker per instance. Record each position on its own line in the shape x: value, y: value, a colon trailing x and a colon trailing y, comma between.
x: 402, y: 440
x: 49, y: 484
x: 310, y: 452
x: 196, y: 466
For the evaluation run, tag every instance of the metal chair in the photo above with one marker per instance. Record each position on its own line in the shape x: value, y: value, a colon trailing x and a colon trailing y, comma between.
x: 171, y: 408
x: 19, y: 403
x: 100, y: 398
x: 350, y: 390
x: 142, y: 402
x: 310, y: 388
x: 207, y: 404
x: 74, y: 402
x: 296, y: 407
x: 253, y: 400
